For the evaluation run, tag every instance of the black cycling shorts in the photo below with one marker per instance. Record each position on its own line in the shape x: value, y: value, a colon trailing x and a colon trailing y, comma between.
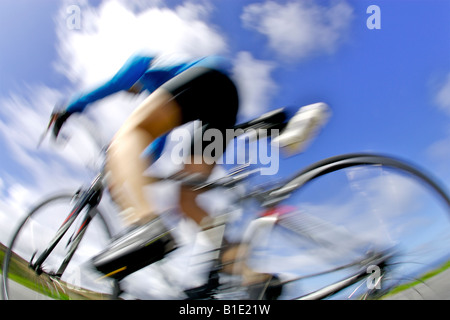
x: 208, y: 95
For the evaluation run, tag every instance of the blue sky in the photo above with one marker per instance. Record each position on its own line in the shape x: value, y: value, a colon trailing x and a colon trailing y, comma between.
x: 389, y: 89
x: 26, y: 29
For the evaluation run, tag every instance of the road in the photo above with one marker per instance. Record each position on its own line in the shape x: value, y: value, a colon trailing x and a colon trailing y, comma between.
x: 436, y: 288
x: 23, y: 293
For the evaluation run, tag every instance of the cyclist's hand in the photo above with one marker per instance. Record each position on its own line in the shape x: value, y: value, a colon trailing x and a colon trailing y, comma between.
x: 57, y: 119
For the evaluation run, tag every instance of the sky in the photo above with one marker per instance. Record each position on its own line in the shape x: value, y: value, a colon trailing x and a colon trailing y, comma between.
x: 388, y: 87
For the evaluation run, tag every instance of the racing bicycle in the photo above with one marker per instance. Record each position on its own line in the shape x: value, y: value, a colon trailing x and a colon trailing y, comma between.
x: 353, y: 226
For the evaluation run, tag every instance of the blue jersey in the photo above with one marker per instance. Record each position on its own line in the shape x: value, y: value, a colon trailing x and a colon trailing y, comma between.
x: 138, y: 68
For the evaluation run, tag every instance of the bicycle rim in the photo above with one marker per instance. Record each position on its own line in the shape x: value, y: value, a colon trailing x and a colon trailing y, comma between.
x: 79, y: 281
x: 346, y: 208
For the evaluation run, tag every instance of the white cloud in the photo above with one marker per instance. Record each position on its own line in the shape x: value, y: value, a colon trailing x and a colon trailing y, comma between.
x: 439, y: 151
x: 110, y: 34
x: 298, y: 29
x: 253, y: 77
x: 45, y: 169
x: 443, y: 96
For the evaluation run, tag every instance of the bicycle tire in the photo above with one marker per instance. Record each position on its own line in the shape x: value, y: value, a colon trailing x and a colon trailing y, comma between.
x: 355, y: 159
x: 387, y: 167
x: 46, y: 279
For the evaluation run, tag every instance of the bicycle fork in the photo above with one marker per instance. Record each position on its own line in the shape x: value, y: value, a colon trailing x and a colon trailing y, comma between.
x: 88, y: 199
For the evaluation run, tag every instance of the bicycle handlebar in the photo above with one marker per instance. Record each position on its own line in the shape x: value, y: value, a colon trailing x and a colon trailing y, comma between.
x: 58, y: 117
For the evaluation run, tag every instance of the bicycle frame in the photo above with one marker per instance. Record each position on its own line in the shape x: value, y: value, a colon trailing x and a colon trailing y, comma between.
x: 89, y: 199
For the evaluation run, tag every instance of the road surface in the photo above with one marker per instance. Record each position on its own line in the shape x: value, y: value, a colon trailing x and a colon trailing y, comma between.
x: 436, y: 288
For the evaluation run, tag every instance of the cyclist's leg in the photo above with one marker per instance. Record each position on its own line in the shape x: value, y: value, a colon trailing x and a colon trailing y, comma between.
x: 209, y: 96
x: 182, y: 99
x: 203, y: 164
x: 217, y: 111
x: 158, y: 114
x: 188, y: 196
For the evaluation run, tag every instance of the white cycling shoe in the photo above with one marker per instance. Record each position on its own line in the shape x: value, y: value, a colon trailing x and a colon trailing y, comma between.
x: 135, y: 249
x: 303, y: 127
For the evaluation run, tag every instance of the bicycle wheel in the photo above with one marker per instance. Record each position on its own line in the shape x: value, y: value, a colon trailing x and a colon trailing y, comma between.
x: 79, y: 280
x: 339, y: 213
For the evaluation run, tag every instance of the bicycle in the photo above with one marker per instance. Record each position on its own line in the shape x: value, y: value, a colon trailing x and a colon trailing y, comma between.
x: 320, y: 243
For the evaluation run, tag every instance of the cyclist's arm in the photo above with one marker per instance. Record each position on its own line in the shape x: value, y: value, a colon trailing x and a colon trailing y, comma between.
x: 124, y: 79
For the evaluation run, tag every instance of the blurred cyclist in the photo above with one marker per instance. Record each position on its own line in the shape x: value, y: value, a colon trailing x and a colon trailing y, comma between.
x: 179, y: 93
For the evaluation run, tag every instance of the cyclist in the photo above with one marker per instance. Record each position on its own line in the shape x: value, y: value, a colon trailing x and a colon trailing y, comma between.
x: 201, y: 89
x: 179, y: 93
